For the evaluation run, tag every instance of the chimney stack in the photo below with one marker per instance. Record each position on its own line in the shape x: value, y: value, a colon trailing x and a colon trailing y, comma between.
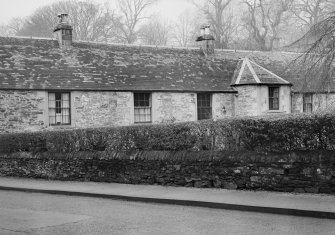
x: 63, y: 31
x: 202, y: 30
x: 206, y: 40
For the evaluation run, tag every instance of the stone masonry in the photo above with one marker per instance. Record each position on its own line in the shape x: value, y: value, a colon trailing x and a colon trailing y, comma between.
x: 310, y: 172
x: 22, y: 110
x: 171, y: 107
x: 92, y: 109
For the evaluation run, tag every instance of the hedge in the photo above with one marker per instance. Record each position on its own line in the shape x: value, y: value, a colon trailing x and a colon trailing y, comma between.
x: 270, y: 133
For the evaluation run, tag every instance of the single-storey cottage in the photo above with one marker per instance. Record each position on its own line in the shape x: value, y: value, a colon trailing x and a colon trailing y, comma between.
x: 46, y: 83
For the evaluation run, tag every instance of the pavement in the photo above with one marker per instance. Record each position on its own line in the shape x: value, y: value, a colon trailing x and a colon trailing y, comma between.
x: 309, y: 205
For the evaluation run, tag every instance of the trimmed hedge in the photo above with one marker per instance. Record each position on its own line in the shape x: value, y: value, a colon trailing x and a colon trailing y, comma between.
x: 270, y: 133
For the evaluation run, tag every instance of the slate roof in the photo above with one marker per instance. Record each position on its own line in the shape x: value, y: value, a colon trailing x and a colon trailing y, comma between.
x: 40, y: 64
x: 251, y: 73
x: 281, y: 64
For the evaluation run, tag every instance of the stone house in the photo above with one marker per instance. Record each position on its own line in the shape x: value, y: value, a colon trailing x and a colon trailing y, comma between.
x: 46, y: 83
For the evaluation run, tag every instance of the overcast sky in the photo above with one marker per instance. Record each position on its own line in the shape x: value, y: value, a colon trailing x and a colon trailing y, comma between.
x: 20, y: 8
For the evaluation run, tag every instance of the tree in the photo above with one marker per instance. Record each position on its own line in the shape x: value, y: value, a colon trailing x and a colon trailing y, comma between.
x: 264, y: 19
x: 15, y: 25
x: 90, y: 21
x: 4, y: 31
x: 309, y: 12
x: 186, y: 29
x: 131, y: 12
x: 222, y: 23
x: 155, y: 32
x: 317, y: 63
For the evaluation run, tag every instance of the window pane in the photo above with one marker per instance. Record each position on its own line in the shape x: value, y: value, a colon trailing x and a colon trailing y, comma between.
x: 65, y: 96
x: 51, y: 96
x: 58, y: 96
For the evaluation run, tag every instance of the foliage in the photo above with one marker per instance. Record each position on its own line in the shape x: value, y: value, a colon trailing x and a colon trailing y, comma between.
x: 275, y: 134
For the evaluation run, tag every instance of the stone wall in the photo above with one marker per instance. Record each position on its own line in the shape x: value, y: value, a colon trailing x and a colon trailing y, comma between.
x: 246, y: 101
x: 223, y: 105
x: 321, y: 102
x: 28, y: 110
x: 173, y: 107
x: 284, y: 100
x: 22, y: 110
x: 311, y: 172
x: 253, y: 100
x: 93, y: 109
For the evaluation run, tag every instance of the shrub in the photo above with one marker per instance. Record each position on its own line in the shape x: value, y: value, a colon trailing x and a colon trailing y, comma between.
x: 269, y: 133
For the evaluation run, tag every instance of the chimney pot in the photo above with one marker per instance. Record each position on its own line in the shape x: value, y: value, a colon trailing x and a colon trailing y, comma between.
x: 63, y: 18
x: 202, y: 30
x: 207, y: 30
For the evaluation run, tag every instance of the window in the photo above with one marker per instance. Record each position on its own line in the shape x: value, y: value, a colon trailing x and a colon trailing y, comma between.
x: 274, y: 98
x: 307, y: 103
x: 204, y: 106
x: 142, y: 105
x: 59, y: 108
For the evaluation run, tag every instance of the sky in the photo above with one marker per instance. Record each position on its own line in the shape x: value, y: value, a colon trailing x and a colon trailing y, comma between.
x: 169, y: 9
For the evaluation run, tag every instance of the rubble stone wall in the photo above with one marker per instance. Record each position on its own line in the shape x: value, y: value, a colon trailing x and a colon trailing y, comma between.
x: 22, y: 110
x: 173, y: 107
x: 223, y: 105
x: 94, y: 109
x: 310, y: 172
x: 320, y: 102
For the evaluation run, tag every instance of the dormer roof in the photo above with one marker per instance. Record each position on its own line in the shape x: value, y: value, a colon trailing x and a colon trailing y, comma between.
x: 250, y: 73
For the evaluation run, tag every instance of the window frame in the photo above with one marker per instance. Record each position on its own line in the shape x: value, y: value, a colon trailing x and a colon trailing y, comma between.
x: 59, y: 108
x: 273, y: 98
x: 304, y: 98
x: 146, y: 107
x: 201, y: 107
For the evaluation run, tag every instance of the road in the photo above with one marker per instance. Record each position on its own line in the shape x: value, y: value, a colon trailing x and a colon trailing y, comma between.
x: 33, y: 213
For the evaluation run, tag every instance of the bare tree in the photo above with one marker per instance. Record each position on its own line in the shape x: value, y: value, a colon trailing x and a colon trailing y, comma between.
x: 4, y: 31
x: 132, y: 12
x: 264, y: 19
x: 15, y: 25
x: 155, y: 32
x: 317, y: 64
x: 186, y: 29
x: 90, y: 21
x: 40, y: 23
x: 222, y: 23
x: 309, y: 12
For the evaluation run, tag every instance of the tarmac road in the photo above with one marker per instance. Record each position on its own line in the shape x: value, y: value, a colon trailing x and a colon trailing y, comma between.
x: 33, y: 213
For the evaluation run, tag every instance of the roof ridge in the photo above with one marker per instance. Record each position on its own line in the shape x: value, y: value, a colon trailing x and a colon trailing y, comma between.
x: 150, y: 46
